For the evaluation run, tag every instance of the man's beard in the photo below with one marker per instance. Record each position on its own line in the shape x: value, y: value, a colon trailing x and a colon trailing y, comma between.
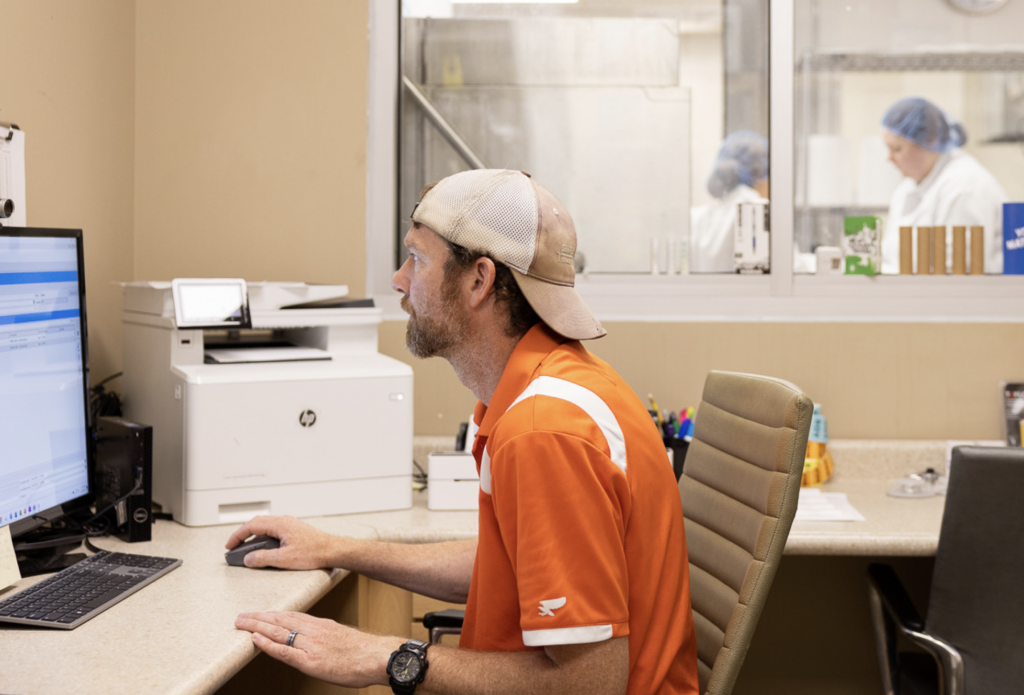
x: 430, y: 337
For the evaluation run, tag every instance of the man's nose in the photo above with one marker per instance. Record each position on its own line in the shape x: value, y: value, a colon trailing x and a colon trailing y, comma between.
x: 399, y: 281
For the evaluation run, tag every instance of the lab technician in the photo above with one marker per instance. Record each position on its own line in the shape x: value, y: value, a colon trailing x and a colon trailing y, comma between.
x: 739, y: 175
x: 578, y: 581
x: 944, y: 186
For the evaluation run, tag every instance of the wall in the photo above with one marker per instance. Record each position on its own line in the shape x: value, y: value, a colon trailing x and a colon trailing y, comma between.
x: 192, y: 138
x: 874, y: 380
x: 247, y: 126
x: 251, y: 140
x: 68, y: 81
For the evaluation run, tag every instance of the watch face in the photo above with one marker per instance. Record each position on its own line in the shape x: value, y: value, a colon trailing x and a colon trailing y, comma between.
x: 406, y: 667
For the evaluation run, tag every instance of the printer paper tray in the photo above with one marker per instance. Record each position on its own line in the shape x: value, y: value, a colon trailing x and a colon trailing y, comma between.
x: 273, y: 354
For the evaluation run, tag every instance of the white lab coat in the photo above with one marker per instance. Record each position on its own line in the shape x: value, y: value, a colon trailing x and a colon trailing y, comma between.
x: 713, y: 232
x: 957, y: 191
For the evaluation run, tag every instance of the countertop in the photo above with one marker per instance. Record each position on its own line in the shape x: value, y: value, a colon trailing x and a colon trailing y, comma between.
x: 177, y: 635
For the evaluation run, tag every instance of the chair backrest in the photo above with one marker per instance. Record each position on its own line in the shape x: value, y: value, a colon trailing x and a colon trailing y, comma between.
x: 976, y: 602
x: 739, y: 490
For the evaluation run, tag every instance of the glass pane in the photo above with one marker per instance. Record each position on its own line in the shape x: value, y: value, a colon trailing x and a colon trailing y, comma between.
x: 861, y: 61
x: 617, y: 106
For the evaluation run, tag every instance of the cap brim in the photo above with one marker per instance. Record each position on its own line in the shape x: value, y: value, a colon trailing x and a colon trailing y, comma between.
x: 560, y: 307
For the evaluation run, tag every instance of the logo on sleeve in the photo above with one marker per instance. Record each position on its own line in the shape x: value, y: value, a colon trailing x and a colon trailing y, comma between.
x: 548, y: 607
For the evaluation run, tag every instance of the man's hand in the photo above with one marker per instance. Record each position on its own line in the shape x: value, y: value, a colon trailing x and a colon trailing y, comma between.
x: 345, y: 656
x: 302, y: 546
x: 322, y: 648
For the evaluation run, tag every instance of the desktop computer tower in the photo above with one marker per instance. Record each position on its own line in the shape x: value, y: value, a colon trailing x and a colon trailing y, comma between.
x: 124, y: 469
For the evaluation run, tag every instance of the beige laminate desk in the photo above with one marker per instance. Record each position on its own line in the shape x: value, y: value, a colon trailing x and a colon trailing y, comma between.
x: 177, y: 635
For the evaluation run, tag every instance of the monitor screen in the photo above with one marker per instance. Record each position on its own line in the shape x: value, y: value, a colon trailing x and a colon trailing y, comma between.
x: 44, y: 384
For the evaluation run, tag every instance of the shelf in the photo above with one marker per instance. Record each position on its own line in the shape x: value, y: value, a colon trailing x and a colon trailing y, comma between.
x: 967, y: 61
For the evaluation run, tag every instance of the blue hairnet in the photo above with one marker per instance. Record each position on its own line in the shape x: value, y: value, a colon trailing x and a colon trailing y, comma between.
x: 742, y: 159
x: 924, y: 124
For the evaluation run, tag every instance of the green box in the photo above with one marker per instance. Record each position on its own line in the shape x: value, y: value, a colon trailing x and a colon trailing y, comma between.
x: 862, y: 245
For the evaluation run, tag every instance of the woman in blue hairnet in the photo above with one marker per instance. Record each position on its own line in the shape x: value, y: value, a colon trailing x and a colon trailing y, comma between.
x: 944, y: 186
x: 740, y: 175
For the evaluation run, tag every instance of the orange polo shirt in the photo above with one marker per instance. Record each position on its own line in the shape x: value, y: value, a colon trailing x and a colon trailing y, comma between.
x: 581, y: 528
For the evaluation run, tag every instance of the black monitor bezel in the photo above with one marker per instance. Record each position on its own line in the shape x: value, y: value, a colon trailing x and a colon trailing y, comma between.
x: 20, y: 527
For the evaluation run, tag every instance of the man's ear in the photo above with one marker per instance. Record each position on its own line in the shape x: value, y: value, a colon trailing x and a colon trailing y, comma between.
x: 483, y: 274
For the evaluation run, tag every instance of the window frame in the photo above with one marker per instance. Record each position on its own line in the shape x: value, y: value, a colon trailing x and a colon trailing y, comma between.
x: 781, y: 296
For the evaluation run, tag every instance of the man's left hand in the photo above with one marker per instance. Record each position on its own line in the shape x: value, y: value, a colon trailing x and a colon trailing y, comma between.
x: 322, y: 648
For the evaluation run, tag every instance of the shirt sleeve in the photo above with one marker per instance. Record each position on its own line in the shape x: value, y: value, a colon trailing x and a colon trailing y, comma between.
x: 562, y: 506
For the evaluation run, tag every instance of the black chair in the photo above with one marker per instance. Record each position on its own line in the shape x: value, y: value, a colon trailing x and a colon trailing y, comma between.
x: 973, y: 636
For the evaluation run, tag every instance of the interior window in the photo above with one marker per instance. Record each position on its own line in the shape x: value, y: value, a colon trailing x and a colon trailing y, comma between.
x: 648, y: 118
x: 891, y: 97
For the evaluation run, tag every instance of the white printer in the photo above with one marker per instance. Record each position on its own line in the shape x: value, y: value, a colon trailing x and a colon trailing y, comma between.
x: 261, y: 408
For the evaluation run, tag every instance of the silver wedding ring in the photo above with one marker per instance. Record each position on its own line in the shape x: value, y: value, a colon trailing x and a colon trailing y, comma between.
x: 291, y: 639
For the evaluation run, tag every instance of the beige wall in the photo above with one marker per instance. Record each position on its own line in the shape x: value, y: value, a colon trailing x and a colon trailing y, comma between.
x: 68, y: 81
x: 251, y: 140
x: 874, y: 380
x: 229, y: 138
x: 192, y: 138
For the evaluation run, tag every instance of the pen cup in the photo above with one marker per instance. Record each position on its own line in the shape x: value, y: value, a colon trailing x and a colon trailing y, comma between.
x: 677, y: 447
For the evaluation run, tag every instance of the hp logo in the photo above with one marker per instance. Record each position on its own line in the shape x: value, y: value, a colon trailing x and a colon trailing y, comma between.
x: 307, y: 418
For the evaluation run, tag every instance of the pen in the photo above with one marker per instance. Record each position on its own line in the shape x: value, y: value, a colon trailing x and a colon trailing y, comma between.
x: 656, y: 409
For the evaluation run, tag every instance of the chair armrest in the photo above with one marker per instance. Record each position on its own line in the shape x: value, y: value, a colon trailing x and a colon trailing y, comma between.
x: 887, y: 595
x: 883, y: 580
x: 451, y: 618
x: 441, y: 623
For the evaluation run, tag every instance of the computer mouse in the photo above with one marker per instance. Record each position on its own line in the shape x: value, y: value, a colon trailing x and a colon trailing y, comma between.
x: 236, y: 556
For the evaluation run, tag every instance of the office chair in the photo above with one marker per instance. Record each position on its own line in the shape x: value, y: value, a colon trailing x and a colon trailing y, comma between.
x: 973, y: 635
x: 739, y: 490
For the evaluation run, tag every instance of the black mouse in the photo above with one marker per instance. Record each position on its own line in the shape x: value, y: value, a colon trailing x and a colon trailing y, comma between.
x: 235, y: 556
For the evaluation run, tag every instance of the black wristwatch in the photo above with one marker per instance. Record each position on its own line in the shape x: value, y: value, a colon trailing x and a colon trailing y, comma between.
x: 407, y: 667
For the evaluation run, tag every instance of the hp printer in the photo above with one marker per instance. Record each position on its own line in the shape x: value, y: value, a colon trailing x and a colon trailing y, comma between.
x: 265, y: 398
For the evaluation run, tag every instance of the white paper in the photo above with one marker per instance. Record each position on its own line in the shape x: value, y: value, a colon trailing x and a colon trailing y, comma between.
x: 815, y: 505
x: 9, y: 572
x: 273, y: 354
x: 12, y: 174
x: 829, y: 171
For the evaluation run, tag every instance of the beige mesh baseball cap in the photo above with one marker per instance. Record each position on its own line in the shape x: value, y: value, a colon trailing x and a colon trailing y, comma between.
x: 507, y: 216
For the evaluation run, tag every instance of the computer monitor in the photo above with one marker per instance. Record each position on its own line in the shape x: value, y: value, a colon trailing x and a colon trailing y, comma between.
x: 46, y: 468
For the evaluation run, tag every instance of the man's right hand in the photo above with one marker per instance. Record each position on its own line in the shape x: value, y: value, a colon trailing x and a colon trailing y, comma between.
x: 302, y: 546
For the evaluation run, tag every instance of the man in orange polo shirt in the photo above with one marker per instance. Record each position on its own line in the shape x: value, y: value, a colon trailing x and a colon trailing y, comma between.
x: 578, y: 581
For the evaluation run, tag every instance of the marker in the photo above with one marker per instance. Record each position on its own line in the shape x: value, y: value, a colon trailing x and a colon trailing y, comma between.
x: 656, y: 409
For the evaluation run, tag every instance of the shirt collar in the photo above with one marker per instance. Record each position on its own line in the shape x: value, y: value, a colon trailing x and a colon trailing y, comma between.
x: 522, y: 364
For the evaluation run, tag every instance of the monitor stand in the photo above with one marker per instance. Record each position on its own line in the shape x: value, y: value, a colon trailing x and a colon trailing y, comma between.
x: 53, y: 558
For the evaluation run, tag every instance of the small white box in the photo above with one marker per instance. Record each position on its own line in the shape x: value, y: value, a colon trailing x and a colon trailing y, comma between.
x: 452, y: 481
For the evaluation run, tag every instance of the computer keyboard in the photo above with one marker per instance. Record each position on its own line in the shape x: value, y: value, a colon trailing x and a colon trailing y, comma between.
x: 84, y: 590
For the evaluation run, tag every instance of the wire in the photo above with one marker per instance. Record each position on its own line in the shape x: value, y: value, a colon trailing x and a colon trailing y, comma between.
x: 419, y: 479
x: 119, y: 500
x: 109, y: 378
x: 95, y: 549
x: 102, y: 402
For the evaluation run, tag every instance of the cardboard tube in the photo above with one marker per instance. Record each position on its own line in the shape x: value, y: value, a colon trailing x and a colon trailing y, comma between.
x: 960, y: 250
x: 906, y: 250
x: 939, y: 250
x: 924, y: 250
x: 977, y: 250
